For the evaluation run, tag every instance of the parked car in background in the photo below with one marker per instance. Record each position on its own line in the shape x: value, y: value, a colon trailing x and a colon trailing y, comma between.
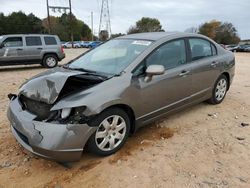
x: 30, y: 49
x: 84, y: 44
x: 232, y: 47
x: 247, y: 49
x: 62, y: 42
x: 101, y: 97
x: 223, y: 46
x: 94, y: 44
x: 67, y: 45
x: 242, y: 48
x: 76, y: 44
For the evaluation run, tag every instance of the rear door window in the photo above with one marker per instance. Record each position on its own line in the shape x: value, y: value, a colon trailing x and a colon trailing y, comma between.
x: 200, y: 48
x: 33, y: 41
x: 13, y: 42
x: 50, y: 41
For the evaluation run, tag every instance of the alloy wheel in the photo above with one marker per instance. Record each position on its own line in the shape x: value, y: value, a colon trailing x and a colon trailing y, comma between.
x: 221, y: 89
x: 110, y: 133
x: 50, y: 61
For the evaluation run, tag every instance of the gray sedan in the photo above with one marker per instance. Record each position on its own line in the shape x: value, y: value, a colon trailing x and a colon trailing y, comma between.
x: 104, y: 95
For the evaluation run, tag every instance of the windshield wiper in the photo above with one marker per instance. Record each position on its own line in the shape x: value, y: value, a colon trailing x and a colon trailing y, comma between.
x: 66, y: 66
x: 82, y: 70
x: 86, y: 71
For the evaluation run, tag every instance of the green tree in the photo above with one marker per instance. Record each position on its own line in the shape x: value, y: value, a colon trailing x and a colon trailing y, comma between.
x: 2, y: 23
x: 227, y: 34
x: 35, y: 24
x: 20, y: 23
x: 223, y: 33
x: 146, y: 25
x: 61, y: 26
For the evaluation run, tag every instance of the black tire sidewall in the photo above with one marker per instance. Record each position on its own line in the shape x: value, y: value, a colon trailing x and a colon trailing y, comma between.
x: 45, y: 59
x: 91, y: 144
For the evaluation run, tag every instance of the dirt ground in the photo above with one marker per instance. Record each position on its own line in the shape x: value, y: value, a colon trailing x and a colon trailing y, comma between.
x: 203, y: 146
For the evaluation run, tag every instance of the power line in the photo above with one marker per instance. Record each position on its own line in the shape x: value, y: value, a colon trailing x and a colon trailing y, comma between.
x: 59, y: 9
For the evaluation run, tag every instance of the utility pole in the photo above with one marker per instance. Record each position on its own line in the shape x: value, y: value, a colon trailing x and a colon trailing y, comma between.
x: 92, y: 26
x: 48, y: 18
x: 59, y: 8
x: 71, y: 29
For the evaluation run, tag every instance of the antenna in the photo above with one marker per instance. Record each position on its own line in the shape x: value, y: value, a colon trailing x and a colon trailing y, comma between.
x: 105, y: 25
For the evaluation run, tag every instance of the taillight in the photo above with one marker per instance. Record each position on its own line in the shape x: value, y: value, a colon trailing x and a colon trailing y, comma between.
x: 62, y: 50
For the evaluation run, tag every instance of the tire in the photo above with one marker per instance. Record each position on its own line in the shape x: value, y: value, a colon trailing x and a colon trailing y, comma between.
x: 219, y: 90
x: 50, y: 61
x: 108, y: 138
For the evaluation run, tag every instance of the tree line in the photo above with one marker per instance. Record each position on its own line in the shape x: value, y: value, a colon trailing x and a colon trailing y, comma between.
x: 20, y: 23
x: 221, y: 32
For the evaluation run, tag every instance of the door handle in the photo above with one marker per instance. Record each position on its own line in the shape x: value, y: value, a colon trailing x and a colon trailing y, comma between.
x: 214, y: 64
x: 184, y: 73
x: 19, y: 49
x: 39, y: 48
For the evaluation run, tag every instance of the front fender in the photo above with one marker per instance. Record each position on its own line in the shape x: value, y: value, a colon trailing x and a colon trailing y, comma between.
x: 98, y: 98
x: 93, y: 106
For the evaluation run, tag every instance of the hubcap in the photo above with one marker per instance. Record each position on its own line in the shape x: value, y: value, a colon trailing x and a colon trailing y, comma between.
x: 51, y: 62
x: 221, y: 89
x: 110, y: 133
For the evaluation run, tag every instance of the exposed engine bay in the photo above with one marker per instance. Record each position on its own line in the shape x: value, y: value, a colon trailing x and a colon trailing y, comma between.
x: 40, y: 94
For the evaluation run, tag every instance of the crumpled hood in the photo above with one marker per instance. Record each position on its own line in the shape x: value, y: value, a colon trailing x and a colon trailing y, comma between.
x: 46, y: 87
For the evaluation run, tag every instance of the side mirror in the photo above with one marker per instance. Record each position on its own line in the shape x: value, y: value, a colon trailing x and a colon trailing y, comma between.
x: 1, y: 45
x: 153, y: 70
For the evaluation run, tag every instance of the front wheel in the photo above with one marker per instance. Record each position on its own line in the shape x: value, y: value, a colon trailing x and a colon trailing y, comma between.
x: 112, y: 132
x: 219, y: 90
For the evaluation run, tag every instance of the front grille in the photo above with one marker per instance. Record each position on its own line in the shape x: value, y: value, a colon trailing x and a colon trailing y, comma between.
x: 24, y: 138
x: 40, y: 109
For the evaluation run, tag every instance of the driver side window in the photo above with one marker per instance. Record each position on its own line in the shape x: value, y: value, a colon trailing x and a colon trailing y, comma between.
x: 170, y: 55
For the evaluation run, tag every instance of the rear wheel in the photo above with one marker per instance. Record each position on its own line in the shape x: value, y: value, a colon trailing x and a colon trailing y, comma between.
x: 219, y: 90
x: 50, y: 61
x: 112, y: 132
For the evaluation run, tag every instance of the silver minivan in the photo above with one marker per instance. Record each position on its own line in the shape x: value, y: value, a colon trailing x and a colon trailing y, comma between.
x: 30, y: 49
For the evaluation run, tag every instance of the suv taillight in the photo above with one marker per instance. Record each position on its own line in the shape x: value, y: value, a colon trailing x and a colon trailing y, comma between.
x: 62, y: 49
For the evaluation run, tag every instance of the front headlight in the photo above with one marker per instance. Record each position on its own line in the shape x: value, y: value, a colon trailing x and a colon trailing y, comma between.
x: 65, y: 112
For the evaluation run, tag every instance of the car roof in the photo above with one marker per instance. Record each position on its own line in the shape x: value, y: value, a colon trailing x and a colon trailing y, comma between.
x: 154, y: 36
x: 20, y: 35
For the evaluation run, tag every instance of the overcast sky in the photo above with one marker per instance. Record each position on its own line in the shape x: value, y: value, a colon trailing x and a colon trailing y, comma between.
x: 174, y: 15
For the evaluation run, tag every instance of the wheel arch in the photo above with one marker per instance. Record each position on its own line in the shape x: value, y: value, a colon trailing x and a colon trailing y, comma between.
x: 50, y: 53
x: 228, y: 78
x: 130, y: 113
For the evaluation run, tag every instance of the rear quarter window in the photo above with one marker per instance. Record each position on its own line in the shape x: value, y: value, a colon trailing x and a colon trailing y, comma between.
x: 214, y: 50
x: 33, y: 41
x: 50, y: 41
x: 200, y: 48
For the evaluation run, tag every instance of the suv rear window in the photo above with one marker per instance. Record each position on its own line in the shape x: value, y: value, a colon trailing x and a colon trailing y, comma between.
x: 50, y: 41
x: 33, y: 41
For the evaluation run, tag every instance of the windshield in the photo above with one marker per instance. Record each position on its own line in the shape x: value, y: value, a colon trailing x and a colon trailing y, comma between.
x: 112, y: 57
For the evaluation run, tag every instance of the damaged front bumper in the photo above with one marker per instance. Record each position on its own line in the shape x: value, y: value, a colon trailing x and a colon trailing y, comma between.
x: 59, y: 142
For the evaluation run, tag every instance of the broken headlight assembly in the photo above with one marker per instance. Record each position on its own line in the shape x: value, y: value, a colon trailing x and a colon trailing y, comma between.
x: 69, y: 116
x: 65, y: 112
